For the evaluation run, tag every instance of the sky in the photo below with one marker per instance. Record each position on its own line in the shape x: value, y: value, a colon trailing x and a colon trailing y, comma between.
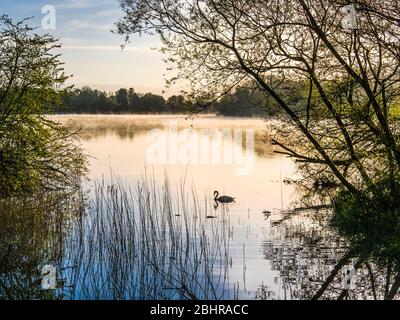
x: 91, y: 52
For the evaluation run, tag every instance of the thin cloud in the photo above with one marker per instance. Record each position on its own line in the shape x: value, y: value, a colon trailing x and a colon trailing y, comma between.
x: 77, y: 24
x: 80, y: 4
x: 109, y: 48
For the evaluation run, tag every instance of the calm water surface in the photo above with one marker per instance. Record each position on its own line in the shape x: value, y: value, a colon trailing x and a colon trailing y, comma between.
x: 145, y: 226
x: 117, y: 145
x: 147, y: 241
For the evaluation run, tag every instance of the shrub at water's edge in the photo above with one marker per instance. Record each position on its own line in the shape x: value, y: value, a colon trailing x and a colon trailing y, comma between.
x: 35, y: 152
x: 372, y: 224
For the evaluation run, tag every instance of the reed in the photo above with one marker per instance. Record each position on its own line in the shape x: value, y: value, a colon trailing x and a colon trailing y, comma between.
x: 150, y: 242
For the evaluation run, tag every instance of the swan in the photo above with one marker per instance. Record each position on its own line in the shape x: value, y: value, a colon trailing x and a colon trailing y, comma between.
x: 222, y: 199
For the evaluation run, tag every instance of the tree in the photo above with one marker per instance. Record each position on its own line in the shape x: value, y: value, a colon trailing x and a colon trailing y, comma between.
x: 35, y: 152
x: 177, y: 104
x: 152, y: 103
x: 219, y: 44
x: 121, y: 97
x: 245, y: 102
x: 86, y: 100
x: 341, y: 126
x: 135, y: 104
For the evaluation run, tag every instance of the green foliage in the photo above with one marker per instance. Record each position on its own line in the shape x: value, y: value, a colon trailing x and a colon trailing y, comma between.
x: 87, y: 100
x: 33, y: 230
x: 34, y: 151
x: 243, y: 102
x: 371, y: 224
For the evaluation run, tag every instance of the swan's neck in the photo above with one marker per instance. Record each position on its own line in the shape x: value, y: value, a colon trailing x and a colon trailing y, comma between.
x: 216, y: 194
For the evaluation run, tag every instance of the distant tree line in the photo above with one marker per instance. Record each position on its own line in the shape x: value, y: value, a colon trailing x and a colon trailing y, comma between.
x: 243, y: 102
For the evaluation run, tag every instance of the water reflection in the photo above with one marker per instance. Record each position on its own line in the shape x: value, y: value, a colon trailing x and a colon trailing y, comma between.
x: 314, y: 262
x: 128, y: 127
x: 167, y: 249
x: 303, y: 251
x: 160, y: 236
x: 35, y: 232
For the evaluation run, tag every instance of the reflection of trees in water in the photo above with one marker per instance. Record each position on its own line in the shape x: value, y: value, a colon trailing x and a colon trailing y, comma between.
x: 129, y: 129
x: 312, y: 260
x: 302, y: 252
x: 172, y: 250
x: 124, y: 130
x: 33, y: 234
x: 146, y: 244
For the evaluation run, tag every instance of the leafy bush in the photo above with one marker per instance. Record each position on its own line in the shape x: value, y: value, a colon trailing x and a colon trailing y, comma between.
x: 34, y: 151
x: 372, y: 224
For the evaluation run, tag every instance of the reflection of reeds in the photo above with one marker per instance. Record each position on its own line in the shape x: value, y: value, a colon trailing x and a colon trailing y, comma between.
x: 33, y: 231
x: 150, y: 244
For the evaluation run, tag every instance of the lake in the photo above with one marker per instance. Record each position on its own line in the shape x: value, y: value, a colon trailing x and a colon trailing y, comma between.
x: 259, y: 246
x: 148, y: 226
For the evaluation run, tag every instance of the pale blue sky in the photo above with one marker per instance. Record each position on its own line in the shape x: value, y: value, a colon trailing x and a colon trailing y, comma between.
x: 91, y: 52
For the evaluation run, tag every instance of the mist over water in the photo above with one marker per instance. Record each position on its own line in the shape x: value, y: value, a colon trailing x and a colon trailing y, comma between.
x: 117, y: 146
x: 153, y: 231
